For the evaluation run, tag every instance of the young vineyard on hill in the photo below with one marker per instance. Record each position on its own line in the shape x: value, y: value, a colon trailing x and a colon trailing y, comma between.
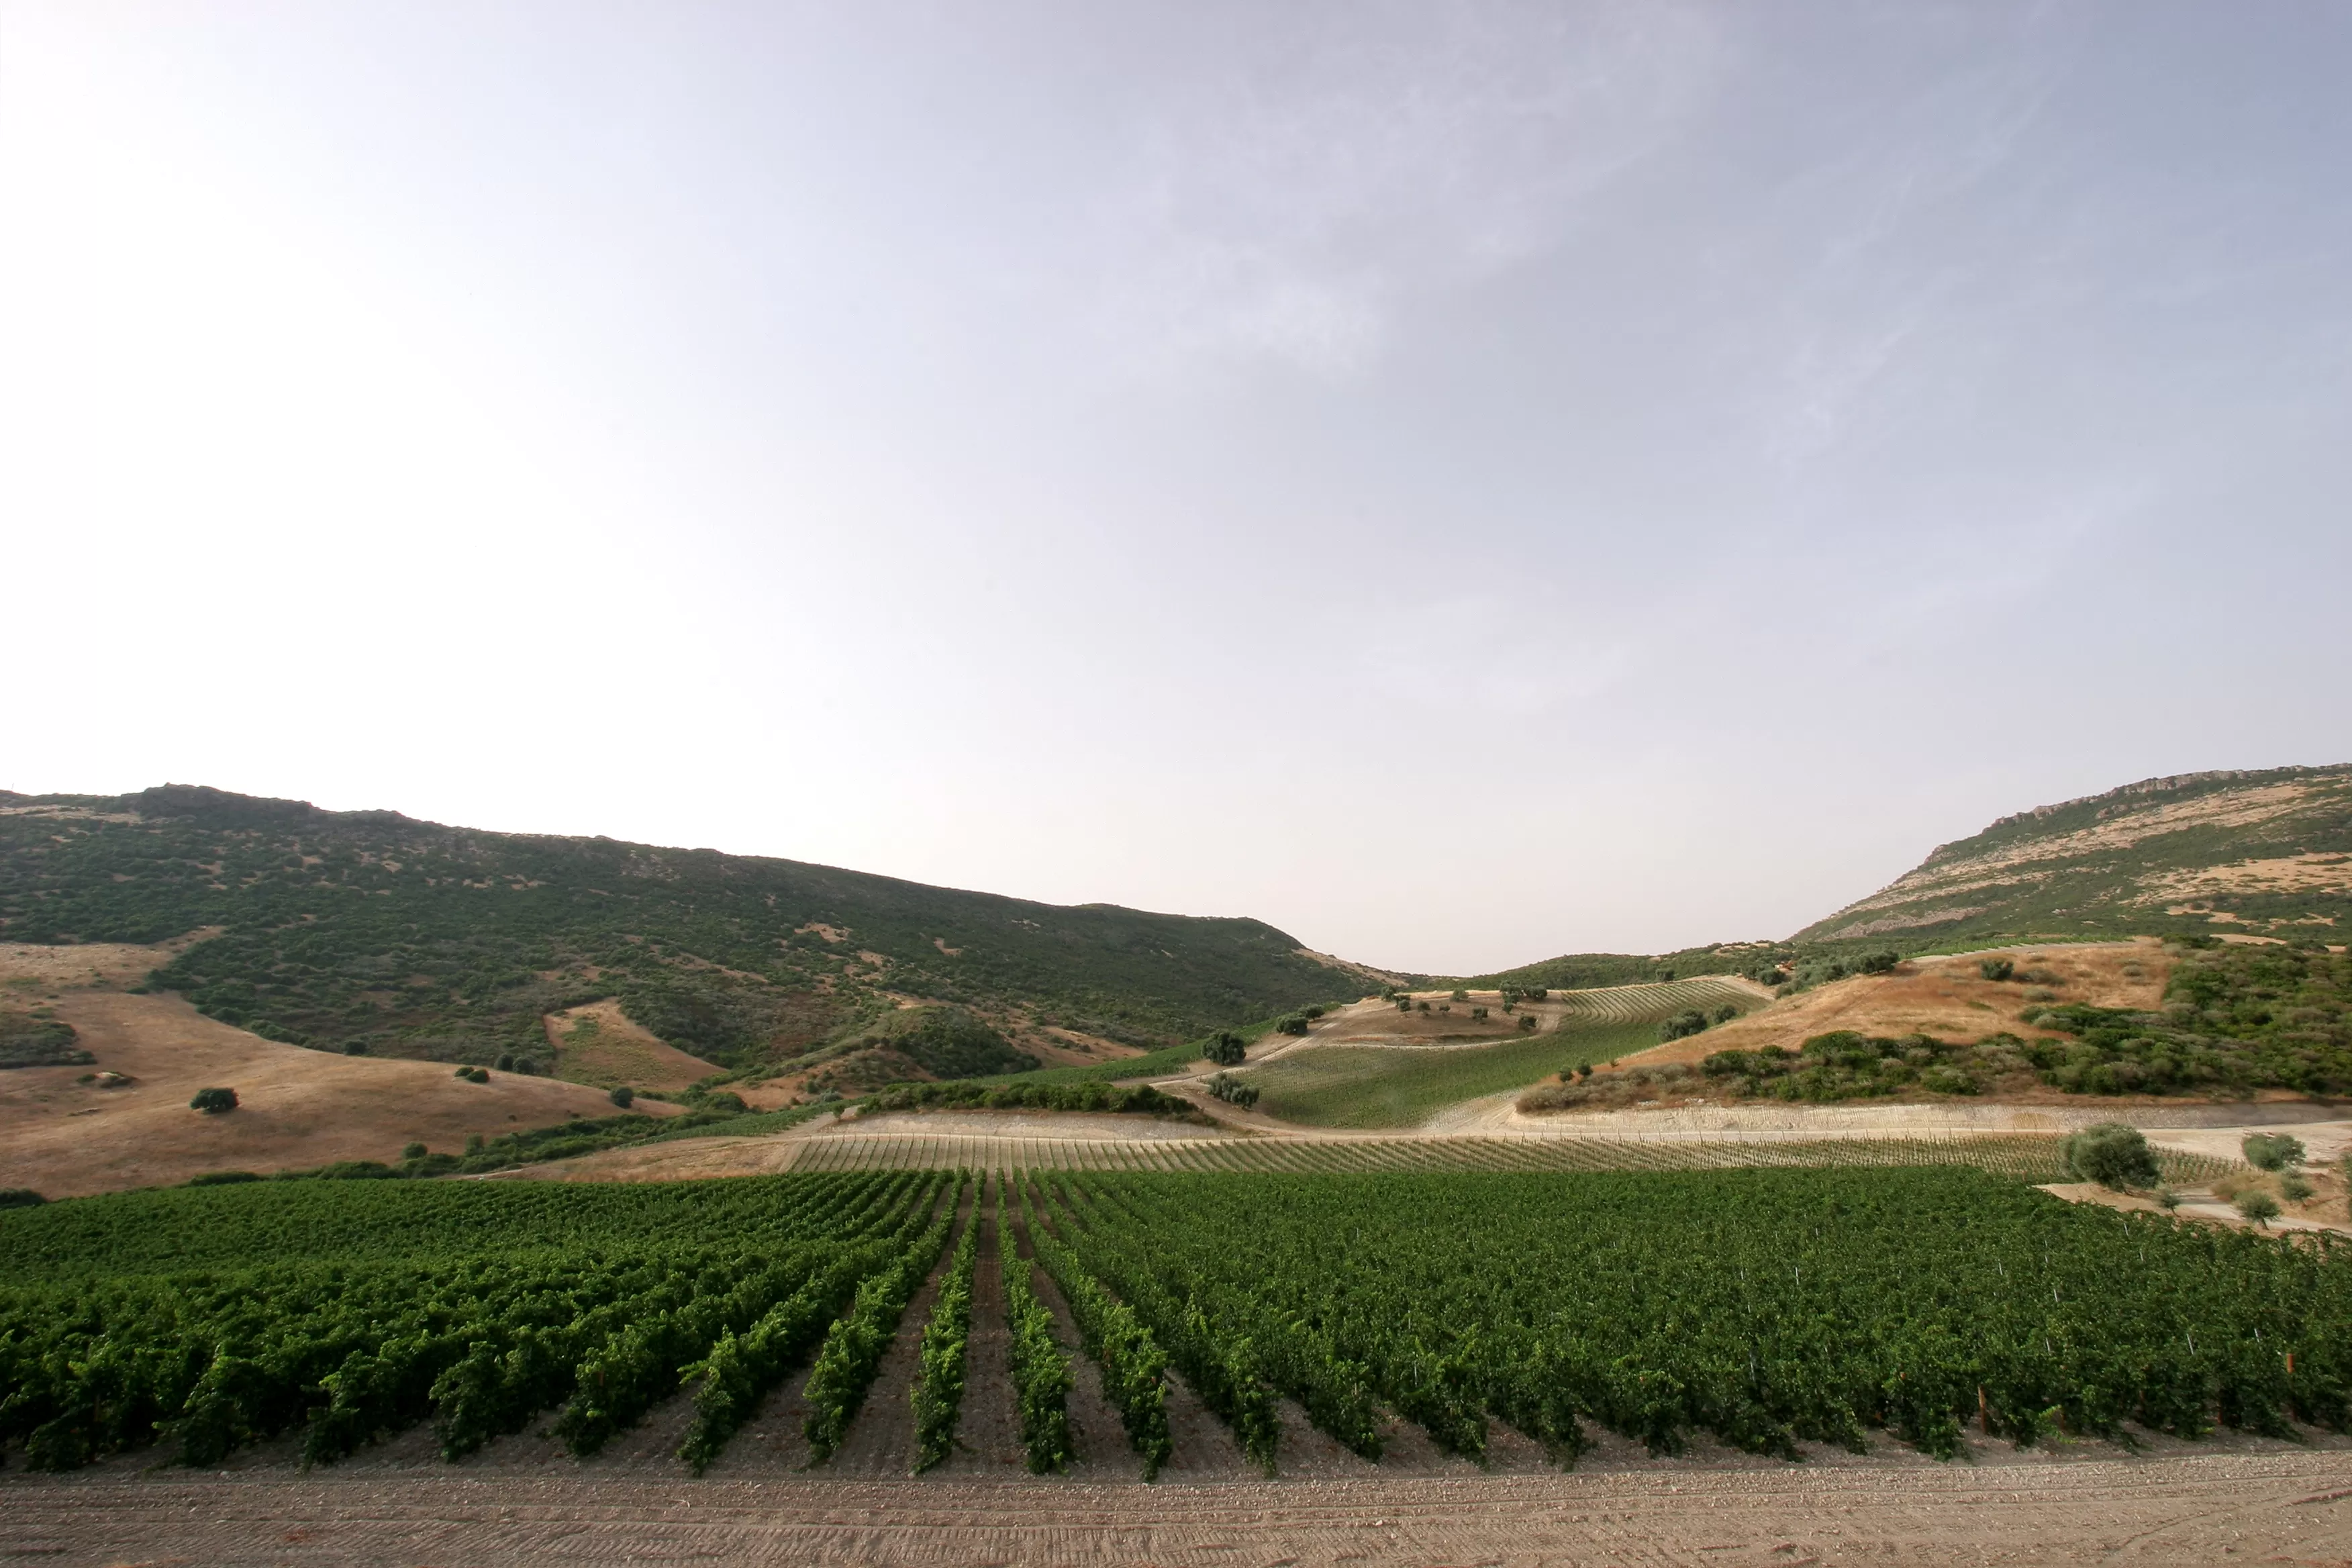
x: 1766, y: 1308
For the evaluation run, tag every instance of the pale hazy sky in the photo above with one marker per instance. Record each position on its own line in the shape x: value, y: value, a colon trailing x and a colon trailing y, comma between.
x: 1464, y: 483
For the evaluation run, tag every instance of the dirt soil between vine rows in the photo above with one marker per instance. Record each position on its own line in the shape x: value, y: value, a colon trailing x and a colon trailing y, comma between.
x: 2282, y: 1505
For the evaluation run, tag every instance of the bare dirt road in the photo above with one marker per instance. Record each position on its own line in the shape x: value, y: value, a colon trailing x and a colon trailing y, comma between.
x: 2278, y: 1507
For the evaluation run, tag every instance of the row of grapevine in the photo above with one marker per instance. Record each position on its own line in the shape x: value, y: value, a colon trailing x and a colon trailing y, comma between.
x: 1222, y: 1368
x: 937, y: 1395
x: 1134, y: 1368
x: 742, y: 1370
x: 2027, y: 1156
x: 1040, y: 1368
x: 853, y: 1349
x: 1765, y: 1307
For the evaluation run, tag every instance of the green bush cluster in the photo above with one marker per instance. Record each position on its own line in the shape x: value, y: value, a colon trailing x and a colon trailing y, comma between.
x: 1847, y: 1065
x: 1813, y: 971
x: 1226, y: 1050
x: 1693, y: 1021
x: 1141, y: 1100
x: 1688, y: 1022
x: 2112, y: 1155
x: 1233, y: 1091
x: 2236, y: 1020
x: 2272, y: 1150
x: 30, y: 1040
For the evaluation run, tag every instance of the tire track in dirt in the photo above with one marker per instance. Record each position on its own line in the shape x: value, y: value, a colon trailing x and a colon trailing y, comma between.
x: 2289, y: 1506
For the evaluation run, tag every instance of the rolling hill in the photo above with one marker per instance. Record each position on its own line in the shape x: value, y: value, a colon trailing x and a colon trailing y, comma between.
x: 374, y: 934
x: 2266, y: 853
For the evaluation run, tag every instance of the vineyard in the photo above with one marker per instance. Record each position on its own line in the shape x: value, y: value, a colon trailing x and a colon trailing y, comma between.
x: 1648, y: 1003
x: 1364, y: 1081
x: 2024, y: 1156
x: 1761, y: 1308
x: 1402, y: 1086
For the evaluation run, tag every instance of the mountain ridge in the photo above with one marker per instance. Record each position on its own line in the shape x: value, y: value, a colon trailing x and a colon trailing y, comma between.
x: 376, y: 932
x: 2261, y: 849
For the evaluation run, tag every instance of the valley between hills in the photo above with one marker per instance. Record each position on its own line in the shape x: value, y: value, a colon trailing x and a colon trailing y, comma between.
x: 583, y: 1195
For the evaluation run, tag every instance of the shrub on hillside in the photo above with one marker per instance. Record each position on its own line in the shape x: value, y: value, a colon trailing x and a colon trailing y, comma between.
x: 2294, y: 1188
x: 2259, y: 1207
x: 1226, y: 1047
x: 1996, y: 968
x: 1527, y: 1022
x: 2112, y: 1155
x: 1822, y: 971
x: 1295, y: 1024
x: 1233, y: 1091
x: 224, y: 1178
x: 2272, y: 1150
x: 1682, y: 1026
x: 623, y: 1097
x: 1460, y: 994
x: 213, y: 1101
x: 20, y: 1198
x: 30, y: 1041
x: 1016, y: 1095
x: 947, y: 1041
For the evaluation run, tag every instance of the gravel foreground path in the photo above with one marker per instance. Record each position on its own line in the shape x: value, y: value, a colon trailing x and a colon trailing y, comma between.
x: 2274, y: 1508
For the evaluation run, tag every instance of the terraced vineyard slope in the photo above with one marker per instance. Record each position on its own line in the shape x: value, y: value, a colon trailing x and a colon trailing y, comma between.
x: 2266, y: 853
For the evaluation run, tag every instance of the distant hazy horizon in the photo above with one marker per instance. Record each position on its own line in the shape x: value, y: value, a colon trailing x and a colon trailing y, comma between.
x: 1461, y: 483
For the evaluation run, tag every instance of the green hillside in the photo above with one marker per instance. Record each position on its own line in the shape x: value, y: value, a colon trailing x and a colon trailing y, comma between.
x: 370, y: 932
x: 1588, y: 971
x: 2266, y: 853
x: 1361, y: 1085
